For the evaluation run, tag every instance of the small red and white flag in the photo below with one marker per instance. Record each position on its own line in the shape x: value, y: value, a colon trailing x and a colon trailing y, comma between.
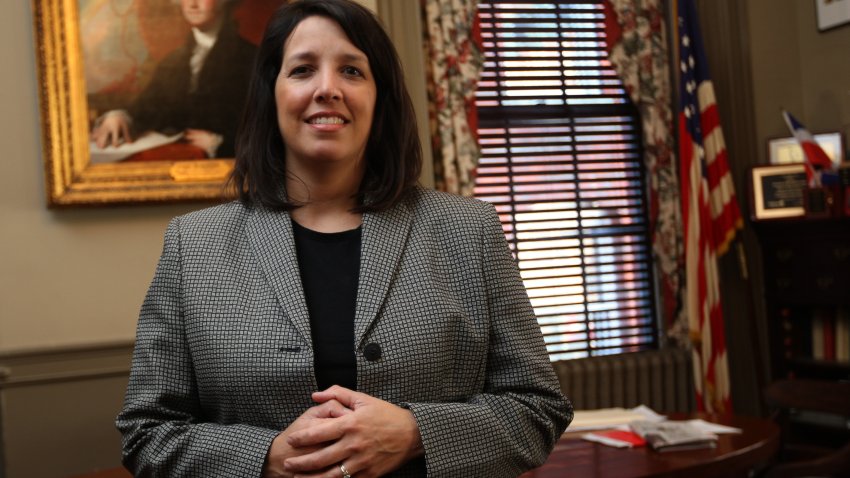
x: 816, y: 157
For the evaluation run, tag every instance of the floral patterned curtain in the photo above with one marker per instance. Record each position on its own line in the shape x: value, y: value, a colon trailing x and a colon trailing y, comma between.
x: 454, y: 62
x: 638, y: 49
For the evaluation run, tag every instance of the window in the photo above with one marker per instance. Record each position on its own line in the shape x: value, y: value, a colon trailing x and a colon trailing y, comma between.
x: 561, y: 161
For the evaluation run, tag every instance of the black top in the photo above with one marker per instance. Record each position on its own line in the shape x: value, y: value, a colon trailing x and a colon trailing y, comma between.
x: 330, y: 266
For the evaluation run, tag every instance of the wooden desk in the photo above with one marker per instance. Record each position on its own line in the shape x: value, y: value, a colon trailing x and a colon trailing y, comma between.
x: 734, y: 455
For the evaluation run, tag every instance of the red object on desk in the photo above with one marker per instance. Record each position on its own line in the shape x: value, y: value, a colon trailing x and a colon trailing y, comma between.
x: 629, y: 437
x: 169, y: 152
x: 735, y: 454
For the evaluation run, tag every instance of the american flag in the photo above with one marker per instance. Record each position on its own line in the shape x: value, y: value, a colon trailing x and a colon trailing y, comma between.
x: 710, y: 213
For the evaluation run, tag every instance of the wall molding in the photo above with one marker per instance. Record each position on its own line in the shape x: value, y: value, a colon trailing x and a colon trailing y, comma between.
x: 72, y: 391
x: 53, y: 364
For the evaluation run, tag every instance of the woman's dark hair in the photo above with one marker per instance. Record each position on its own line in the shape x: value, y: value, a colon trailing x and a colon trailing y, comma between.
x: 393, y: 153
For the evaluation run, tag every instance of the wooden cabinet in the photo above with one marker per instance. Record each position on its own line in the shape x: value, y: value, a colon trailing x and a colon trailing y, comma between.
x: 807, y: 290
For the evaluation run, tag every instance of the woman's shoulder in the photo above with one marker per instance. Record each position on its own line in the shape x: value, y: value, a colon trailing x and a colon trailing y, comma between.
x: 451, y: 211
x: 430, y: 202
x: 213, y: 221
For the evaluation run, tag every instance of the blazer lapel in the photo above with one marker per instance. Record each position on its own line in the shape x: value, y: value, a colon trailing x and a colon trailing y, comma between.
x: 384, y: 238
x: 270, y: 236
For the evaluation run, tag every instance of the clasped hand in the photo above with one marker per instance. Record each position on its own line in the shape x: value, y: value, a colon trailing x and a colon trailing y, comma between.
x: 369, y: 436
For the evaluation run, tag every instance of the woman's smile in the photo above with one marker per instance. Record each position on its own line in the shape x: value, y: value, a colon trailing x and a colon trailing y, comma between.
x: 327, y: 121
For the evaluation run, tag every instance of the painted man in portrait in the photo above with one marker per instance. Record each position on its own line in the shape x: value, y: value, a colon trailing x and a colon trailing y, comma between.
x: 197, y: 90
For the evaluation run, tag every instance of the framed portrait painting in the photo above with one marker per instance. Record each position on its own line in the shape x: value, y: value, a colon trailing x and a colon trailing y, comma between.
x: 141, y: 99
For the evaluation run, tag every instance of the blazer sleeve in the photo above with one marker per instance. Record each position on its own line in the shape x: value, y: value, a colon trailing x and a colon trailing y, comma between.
x: 513, y: 424
x: 164, y: 433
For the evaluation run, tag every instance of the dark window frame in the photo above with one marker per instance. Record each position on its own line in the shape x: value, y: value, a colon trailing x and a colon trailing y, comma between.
x: 578, y: 110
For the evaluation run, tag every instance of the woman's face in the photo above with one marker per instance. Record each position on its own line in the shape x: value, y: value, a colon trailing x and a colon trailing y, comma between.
x: 325, y: 95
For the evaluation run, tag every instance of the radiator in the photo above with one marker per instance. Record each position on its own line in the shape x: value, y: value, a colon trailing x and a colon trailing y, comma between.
x: 659, y: 379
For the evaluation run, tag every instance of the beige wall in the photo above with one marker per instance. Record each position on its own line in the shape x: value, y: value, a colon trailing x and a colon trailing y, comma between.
x: 799, y: 68
x: 66, y: 277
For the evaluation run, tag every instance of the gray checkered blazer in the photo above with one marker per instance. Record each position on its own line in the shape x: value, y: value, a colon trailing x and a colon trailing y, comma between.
x: 224, y: 359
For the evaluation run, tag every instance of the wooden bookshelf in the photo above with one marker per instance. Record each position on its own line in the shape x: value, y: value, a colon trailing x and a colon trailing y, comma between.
x: 807, y: 291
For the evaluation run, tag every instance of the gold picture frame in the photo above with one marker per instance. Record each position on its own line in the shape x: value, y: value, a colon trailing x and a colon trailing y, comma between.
x: 72, y: 179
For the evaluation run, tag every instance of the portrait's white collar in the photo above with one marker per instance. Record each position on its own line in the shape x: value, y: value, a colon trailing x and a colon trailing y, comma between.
x: 206, y: 39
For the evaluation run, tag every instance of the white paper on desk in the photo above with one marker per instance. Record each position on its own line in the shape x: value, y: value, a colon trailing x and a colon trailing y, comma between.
x: 147, y: 141
x: 611, y: 418
x: 606, y: 441
x: 709, y: 427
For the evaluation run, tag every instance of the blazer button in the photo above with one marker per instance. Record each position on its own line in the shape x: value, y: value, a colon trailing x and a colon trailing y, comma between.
x: 372, y: 351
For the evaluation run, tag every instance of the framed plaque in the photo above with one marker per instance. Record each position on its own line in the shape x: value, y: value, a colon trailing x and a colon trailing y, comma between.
x: 777, y: 191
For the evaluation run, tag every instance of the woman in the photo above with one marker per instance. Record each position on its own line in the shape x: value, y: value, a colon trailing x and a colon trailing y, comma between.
x: 337, y: 321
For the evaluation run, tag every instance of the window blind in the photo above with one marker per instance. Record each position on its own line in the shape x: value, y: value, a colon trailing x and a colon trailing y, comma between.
x: 561, y: 162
